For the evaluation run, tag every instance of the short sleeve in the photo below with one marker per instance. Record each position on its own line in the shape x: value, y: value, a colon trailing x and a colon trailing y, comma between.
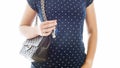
x: 32, y: 4
x: 88, y: 2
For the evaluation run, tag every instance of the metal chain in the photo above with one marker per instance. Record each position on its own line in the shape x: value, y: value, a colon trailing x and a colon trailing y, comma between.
x: 43, y: 10
x: 44, y: 16
x: 36, y: 21
x: 43, y: 13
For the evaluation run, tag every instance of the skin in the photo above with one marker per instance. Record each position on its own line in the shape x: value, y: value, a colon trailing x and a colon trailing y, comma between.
x: 44, y: 29
x: 30, y: 32
x: 92, y: 31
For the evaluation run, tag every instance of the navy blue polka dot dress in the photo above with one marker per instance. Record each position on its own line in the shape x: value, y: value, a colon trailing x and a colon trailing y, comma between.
x: 67, y: 49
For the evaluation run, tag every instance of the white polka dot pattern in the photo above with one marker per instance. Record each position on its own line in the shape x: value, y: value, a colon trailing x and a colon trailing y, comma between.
x: 67, y: 49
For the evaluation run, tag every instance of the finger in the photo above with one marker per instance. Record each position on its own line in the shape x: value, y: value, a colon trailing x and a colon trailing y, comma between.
x: 47, y: 33
x: 50, y: 21
x: 49, y: 24
x: 49, y: 29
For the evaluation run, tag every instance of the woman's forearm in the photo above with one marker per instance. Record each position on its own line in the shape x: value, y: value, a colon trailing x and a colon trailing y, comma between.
x: 91, y: 47
x: 28, y: 31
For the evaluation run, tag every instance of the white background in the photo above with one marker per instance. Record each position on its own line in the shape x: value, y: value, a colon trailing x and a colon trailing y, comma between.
x: 108, y: 46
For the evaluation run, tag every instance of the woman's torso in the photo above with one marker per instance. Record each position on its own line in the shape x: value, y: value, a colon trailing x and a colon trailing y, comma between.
x: 68, y: 47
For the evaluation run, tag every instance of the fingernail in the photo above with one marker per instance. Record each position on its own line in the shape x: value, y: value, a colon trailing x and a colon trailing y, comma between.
x: 55, y: 20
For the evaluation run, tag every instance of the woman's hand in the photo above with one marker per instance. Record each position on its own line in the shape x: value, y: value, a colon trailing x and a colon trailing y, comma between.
x: 46, y: 27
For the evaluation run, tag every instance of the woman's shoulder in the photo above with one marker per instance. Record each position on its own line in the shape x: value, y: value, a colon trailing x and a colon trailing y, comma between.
x: 88, y: 2
x: 33, y: 4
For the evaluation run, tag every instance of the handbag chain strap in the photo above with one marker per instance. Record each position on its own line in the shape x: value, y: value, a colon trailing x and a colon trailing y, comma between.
x: 43, y: 13
x: 44, y: 16
x: 43, y: 10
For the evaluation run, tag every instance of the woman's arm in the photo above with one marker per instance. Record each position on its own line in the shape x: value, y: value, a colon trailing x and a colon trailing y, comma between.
x: 25, y: 25
x: 92, y: 30
x: 44, y: 29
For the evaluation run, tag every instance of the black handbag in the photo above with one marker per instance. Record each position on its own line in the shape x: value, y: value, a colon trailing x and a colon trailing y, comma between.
x: 36, y: 49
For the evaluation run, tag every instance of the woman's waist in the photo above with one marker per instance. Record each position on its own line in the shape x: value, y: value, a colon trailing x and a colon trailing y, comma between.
x: 67, y: 40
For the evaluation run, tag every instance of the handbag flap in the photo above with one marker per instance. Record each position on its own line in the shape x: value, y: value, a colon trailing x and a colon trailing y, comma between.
x: 33, y: 41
